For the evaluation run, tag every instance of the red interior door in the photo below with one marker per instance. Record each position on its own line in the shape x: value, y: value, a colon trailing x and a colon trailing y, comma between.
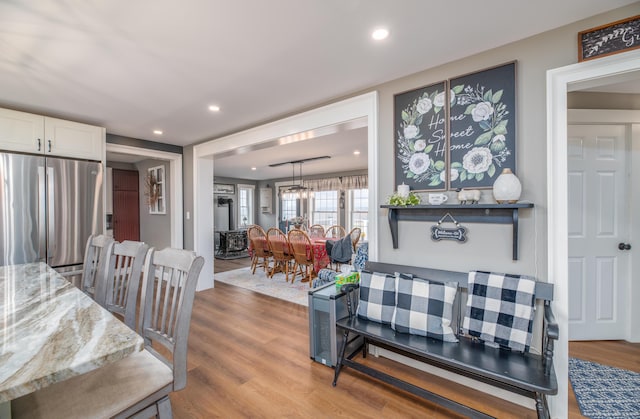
x: 126, y: 205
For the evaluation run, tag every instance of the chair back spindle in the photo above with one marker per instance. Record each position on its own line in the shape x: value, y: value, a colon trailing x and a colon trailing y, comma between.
x: 94, y: 269
x: 335, y: 232
x: 120, y: 289
x: 316, y: 230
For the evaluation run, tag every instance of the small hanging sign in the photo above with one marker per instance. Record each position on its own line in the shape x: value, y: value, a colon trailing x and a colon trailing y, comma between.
x: 457, y: 233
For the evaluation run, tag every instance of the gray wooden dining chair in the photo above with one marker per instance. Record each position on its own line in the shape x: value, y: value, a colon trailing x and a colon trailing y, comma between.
x: 138, y: 385
x: 94, y: 268
x: 118, y: 292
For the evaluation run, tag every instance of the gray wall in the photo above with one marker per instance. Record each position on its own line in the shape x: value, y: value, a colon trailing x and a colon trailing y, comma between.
x: 236, y: 182
x: 599, y: 100
x: 489, y: 245
x: 187, y: 191
x: 154, y: 228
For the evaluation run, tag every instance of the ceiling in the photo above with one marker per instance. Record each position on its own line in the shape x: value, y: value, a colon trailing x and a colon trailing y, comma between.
x: 339, y: 146
x: 134, y: 67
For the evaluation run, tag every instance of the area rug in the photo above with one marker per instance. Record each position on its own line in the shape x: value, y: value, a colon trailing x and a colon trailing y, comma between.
x: 605, y: 392
x: 276, y: 286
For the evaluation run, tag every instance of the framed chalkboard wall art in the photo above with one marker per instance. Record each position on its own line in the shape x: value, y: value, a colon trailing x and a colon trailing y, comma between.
x: 612, y: 38
x: 482, y: 126
x: 420, y: 137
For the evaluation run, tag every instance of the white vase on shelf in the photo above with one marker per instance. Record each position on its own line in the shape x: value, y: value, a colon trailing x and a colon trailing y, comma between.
x: 507, y: 188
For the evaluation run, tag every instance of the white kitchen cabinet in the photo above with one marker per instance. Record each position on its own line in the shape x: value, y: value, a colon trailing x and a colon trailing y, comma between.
x: 73, y: 139
x: 266, y: 199
x: 21, y: 131
x: 29, y: 133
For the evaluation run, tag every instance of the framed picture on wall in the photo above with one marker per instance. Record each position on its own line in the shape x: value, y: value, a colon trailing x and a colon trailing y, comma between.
x: 154, y: 190
x: 482, y: 126
x: 420, y: 141
x: 221, y: 188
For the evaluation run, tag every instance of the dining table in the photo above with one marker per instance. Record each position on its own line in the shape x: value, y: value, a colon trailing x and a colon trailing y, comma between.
x: 320, y: 257
x: 51, y: 331
x: 318, y: 247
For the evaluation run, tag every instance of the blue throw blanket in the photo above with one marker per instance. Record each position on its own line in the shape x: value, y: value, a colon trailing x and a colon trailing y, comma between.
x: 340, y: 250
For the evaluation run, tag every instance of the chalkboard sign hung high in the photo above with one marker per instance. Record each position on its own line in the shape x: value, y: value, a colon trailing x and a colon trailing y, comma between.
x: 612, y: 38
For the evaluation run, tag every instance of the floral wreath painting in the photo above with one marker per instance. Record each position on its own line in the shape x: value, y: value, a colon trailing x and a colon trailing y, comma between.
x: 482, y: 127
x: 420, y: 137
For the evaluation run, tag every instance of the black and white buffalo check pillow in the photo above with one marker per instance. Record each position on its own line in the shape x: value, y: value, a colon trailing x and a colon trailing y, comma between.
x: 500, y: 309
x: 424, y: 308
x: 377, y: 297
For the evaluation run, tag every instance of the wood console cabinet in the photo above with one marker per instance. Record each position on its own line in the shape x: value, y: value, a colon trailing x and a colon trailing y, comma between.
x: 29, y: 133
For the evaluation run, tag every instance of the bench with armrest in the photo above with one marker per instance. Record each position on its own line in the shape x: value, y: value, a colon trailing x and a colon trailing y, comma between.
x: 521, y: 372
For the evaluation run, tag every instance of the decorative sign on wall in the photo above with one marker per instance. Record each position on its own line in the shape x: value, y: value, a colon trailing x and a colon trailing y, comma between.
x: 420, y: 140
x: 612, y: 38
x: 457, y: 233
x: 457, y: 134
x: 482, y: 126
x: 221, y: 188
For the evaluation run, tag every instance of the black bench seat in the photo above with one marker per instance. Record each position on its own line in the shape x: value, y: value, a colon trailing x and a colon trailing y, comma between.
x: 528, y: 374
x: 499, y: 367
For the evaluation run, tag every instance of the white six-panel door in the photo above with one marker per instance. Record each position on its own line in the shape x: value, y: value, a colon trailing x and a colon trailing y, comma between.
x: 598, y: 223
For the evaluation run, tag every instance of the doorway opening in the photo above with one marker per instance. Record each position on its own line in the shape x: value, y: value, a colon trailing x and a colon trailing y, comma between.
x: 559, y: 82
x: 175, y: 184
x: 299, y: 127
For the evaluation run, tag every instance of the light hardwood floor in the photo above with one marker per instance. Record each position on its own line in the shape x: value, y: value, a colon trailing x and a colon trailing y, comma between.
x: 249, y: 357
x: 223, y: 265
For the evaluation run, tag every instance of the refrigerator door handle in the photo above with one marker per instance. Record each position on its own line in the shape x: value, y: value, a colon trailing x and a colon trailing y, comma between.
x: 51, y: 201
x: 42, y: 222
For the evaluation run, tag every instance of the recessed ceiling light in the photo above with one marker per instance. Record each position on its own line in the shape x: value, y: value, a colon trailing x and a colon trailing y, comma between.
x: 214, y: 108
x: 357, y: 152
x: 380, y: 34
x: 157, y: 132
x: 254, y: 168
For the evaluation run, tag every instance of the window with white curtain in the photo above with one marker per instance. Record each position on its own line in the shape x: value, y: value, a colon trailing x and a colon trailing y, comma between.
x: 358, y: 210
x: 288, y: 206
x: 324, y: 210
x: 245, y: 205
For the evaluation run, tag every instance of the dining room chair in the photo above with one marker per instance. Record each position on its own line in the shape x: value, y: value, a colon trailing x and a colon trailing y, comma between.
x: 259, y: 249
x: 139, y: 384
x: 335, y: 232
x: 303, y: 257
x: 355, y: 234
x: 280, y: 251
x: 316, y: 230
x: 118, y: 293
x: 354, y: 237
x: 94, y: 266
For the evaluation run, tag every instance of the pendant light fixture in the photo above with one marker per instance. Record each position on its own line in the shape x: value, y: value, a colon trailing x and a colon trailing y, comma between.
x: 297, y: 191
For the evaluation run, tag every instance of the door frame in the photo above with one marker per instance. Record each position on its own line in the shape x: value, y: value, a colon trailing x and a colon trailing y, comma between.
x: 559, y: 82
x: 294, y: 128
x: 175, y: 182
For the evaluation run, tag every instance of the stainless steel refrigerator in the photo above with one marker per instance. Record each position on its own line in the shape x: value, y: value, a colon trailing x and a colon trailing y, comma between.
x: 48, y: 209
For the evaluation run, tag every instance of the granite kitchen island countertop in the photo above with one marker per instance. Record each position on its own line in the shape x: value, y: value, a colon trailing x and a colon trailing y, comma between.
x: 51, y: 331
